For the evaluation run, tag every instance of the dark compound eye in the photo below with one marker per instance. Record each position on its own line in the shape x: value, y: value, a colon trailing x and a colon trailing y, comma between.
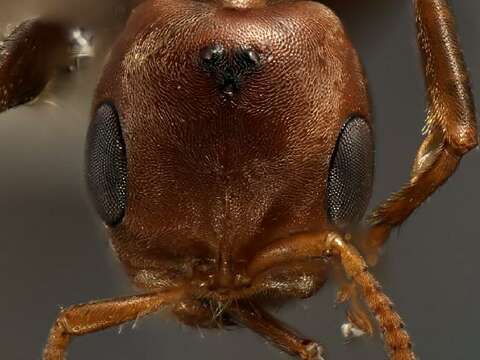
x: 351, y: 174
x: 107, y: 165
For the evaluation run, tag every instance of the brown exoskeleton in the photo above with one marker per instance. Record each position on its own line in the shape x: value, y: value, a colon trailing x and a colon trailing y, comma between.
x: 230, y: 154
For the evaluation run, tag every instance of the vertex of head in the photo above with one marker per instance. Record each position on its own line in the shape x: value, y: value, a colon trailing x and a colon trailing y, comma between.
x: 242, y: 4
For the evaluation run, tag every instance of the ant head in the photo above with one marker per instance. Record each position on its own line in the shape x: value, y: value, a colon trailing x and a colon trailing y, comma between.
x: 214, y: 124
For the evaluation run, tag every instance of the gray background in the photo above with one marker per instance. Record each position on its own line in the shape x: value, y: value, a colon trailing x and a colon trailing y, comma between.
x: 53, y: 251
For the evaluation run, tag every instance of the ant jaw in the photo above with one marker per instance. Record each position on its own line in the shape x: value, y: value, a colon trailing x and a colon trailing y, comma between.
x: 209, y: 286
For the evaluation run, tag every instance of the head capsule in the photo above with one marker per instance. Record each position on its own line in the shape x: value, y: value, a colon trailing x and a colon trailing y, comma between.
x: 220, y: 128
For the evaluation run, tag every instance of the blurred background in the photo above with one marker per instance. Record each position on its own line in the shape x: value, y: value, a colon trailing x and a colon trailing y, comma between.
x: 53, y: 251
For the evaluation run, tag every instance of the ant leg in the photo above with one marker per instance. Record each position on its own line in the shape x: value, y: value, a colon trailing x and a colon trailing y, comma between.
x: 391, y: 325
x: 88, y: 318
x: 450, y: 125
x: 359, y: 323
x: 256, y: 319
x: 324, y: 245
x: 29, y: 57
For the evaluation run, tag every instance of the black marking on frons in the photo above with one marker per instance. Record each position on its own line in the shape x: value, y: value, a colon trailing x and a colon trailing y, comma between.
x: 229, y: 68
x: 212, y: 56
x: 247, y: 59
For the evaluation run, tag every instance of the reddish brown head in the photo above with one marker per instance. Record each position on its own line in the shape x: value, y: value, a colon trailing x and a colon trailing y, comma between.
x: 218, y: 129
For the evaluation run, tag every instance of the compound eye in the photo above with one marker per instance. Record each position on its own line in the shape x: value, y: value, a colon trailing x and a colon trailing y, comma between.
x: 351, y: 174
x: 107, y: 165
